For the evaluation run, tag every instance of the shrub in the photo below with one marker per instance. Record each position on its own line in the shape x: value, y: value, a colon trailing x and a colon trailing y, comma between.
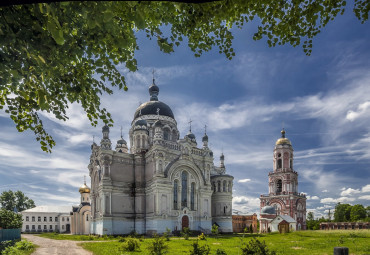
x: 220, y: 252
x: 131, y: 244
x: 214, y: 230
x: 167, y: 234
x: 256, y: 247
x: 158, y: 246
x: 121, y: 239
x: 185, y: 232
x: 202, y: 237
x: 199, y: 249
x: 19, y: 248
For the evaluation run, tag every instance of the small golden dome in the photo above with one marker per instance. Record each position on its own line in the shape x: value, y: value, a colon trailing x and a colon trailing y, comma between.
x: 283, y: 140
x: 84, y: 189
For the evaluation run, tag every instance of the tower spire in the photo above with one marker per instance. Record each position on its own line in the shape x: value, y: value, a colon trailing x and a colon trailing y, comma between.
x: 190, y: 121
x: 153, y: 90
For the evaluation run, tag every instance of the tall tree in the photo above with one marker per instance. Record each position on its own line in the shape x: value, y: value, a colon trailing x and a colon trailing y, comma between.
x: 10, y: 200
x: 54, y: 54
x: 310, y: 216
x: 342, y: 212
x: 358, y: 212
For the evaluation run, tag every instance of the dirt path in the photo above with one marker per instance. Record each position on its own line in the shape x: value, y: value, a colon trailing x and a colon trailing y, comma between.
x: 50, y: 246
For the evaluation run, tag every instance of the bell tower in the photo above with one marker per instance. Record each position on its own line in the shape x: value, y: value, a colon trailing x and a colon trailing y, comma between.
x: 283, y: 184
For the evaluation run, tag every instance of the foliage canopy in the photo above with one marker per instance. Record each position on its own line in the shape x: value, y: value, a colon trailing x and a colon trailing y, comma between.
x: 55, y: 54
x: 10, y: 219
x: 10, y: 200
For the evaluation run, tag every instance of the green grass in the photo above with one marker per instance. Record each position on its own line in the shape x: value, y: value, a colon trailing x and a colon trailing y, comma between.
x: 57, y: 236
x: 301, y: 242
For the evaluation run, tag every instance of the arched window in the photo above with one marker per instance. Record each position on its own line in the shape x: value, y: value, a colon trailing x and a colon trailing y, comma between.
x: 166, y: 134
x: 192, y: 196
x: 184, y: 189
x: 291, y: 163
x: 143, y: 142
x: 219, y: 186
x: 278, y: 186
x: 174, y: 136
x: 175, y: 188
x: 137, y: 141
x: 229, y: 188
x: 224, y: 186
x: 279, y: 163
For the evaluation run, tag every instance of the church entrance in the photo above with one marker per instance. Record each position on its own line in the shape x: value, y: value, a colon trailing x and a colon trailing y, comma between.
x: 185, y: 222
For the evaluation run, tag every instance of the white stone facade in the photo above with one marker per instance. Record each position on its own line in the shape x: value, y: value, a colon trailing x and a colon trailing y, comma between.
x: 161, y: 182
x: 47, y: 219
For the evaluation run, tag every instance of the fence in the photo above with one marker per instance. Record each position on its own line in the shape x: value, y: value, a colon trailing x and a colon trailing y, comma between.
x: 9, y: 234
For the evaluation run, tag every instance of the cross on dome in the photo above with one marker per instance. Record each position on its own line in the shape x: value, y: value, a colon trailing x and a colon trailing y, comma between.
x: 190, y: 125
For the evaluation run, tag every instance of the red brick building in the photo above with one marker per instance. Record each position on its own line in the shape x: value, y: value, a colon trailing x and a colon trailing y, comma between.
x: 283, y: 187
x: 240, y: 222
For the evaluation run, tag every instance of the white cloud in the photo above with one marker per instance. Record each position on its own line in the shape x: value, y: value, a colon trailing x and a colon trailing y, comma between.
x: 330, y: 200
x: 366, y: 188
x: 361, y: 109
x: 244, y: 180
x: 325, y: 190
x: 246, y: 204
x: 313, y: 198
x: 366, y: 197
x: 349, y: 192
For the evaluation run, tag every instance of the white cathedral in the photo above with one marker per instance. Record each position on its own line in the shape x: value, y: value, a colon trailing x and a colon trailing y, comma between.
x: 161, y: 182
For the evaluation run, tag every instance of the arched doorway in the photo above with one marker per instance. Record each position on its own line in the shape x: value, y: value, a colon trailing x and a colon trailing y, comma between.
x: 185, y: 222
x: 68, y: 228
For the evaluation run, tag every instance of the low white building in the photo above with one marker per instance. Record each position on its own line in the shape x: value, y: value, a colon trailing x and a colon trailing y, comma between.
x: 283, y: 224
x: 47, y: 219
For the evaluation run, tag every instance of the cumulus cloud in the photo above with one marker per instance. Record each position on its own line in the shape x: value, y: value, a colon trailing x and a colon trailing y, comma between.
x: 366, y: 188
x: 330, y: 200
x: 246, y: 204
x: 313, y: 198
x: 366, y: 197
x: 349, y: 192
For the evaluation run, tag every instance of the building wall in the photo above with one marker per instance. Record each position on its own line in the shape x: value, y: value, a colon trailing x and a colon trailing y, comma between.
x: 240, y: 222
x: 344, y: 225
x: 41, y: 222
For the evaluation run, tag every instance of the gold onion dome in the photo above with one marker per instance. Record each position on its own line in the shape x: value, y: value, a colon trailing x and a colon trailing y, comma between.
x: 84, y: 189
x: 283, y: 139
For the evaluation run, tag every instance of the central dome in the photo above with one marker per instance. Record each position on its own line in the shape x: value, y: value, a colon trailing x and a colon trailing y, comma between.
x: 154, y: 107
x: 151, y: 108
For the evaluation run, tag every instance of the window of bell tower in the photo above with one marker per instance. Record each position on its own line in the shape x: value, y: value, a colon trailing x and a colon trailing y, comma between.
x: 278, y: 186
x: 279, y: 163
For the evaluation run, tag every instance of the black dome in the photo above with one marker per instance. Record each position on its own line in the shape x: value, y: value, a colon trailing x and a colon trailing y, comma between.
x: 150, y: 108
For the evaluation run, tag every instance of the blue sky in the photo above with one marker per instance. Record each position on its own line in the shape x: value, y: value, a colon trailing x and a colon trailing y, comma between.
x: 323, y: 101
